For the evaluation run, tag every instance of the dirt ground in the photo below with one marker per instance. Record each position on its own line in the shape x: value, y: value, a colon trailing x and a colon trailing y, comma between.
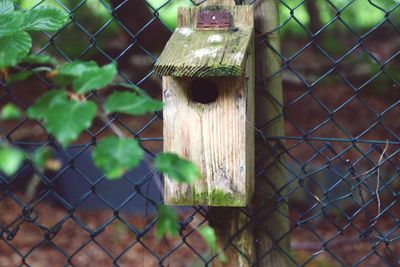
x: 96, y: 239
x: 78, y: 245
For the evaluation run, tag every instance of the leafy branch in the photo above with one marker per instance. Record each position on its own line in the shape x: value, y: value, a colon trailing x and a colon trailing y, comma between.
x: 67, y: 111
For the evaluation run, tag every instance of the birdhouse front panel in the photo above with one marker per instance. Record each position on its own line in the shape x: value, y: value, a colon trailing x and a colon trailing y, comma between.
x: 208, y: 91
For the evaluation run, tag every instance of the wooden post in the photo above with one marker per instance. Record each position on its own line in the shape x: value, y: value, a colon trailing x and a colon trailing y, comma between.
x: 271, y: 233
x: 231, y: 225
x: 259, y: 243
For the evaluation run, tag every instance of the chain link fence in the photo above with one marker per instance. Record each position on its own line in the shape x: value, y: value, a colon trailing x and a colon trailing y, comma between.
x: 340, y: 72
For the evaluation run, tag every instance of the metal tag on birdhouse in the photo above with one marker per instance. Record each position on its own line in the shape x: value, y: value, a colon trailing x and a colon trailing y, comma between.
x: 214, y: 20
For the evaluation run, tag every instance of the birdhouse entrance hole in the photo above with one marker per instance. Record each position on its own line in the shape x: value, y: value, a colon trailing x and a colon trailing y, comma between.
x: 203, y: 91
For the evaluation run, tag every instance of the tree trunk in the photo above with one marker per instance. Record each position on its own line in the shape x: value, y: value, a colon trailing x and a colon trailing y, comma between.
x: 313, y: 11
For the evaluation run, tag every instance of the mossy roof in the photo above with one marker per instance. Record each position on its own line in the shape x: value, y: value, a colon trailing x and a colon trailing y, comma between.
x: 204, y: 53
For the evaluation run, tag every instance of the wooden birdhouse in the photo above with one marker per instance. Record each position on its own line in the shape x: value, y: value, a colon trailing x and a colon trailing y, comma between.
x: 208, y: 90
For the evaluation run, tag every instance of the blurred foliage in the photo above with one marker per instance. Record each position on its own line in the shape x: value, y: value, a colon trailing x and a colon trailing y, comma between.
x: 167, y: 10
x: 359, y: 15
x: 73, y: 40
x: 92, y: 15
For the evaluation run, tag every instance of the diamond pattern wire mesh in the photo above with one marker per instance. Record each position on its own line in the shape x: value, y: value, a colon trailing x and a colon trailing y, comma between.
x: 340, y: 74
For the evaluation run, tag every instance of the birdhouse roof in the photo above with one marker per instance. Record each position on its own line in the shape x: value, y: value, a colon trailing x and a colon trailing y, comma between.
x: 192, y: 52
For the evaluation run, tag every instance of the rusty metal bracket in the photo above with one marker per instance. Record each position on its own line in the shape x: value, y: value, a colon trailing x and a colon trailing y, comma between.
x: 214, y: 20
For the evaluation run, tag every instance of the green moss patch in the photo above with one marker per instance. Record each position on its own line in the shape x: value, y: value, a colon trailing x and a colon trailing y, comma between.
x: 214, y: 198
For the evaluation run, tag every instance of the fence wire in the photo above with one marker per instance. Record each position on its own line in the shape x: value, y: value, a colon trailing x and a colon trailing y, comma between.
x: 340, y: 71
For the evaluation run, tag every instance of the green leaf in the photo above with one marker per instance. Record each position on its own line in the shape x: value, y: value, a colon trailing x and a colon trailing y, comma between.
x: 209, y: 236
x: 40, y: 156
x: 13, y: 48
x: 86, y: 76
x: 40, y: 59
x: 23, y: 75
x: 114, y: 156
x: 40, y: 108
x: 94, y: 78
x: 66, y: 120
x: 10, y: 112
x: 75, y: 68
x: 167, y: 222
x: 133, y: 87
x: 69, y: 71
x: 10, y: 160
x: 178, y: 169
x: 130, y: 103
x: 6, y: 6
x: 44, y: 18
x: 10, y: 23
